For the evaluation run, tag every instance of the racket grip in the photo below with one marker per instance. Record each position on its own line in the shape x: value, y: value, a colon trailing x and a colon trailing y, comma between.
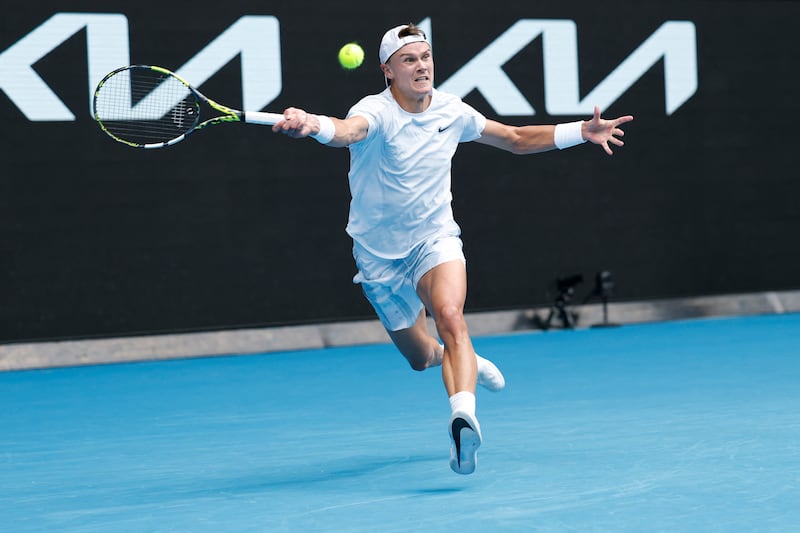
x: 259, y: 117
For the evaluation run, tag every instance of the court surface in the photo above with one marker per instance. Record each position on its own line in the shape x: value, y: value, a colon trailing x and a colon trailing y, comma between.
x: 675, y: 426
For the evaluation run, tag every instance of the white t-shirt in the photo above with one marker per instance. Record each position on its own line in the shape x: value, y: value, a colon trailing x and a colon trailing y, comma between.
x: 400, y: 173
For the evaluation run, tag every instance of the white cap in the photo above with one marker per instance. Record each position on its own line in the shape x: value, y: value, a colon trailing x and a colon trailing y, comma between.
x: 392, y: 42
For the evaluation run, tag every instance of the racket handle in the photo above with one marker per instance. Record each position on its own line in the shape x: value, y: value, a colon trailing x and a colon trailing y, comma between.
x: 258, y: 117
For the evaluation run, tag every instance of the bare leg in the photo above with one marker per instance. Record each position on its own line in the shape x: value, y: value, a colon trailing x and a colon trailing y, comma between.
x: 443, y: 290
x: 424, y: 351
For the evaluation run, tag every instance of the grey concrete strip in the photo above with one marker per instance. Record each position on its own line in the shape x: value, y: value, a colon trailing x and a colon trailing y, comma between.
x: 32, y: 355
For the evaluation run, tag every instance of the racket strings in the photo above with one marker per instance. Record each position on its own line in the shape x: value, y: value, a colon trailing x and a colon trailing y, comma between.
x: 142, y: 106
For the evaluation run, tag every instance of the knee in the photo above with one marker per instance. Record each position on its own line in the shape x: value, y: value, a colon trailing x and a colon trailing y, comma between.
x: 417, y: 364
x: 419, y: 360
x: 450, y: 319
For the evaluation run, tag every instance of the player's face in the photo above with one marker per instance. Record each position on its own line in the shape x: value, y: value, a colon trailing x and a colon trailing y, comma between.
x: 411, y: 70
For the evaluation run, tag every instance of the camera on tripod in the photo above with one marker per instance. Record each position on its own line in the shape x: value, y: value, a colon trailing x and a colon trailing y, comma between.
x: 566, y: 290
x: 565, y: 286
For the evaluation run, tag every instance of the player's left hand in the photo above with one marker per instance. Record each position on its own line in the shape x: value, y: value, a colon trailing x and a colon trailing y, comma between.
x: 604, y: 131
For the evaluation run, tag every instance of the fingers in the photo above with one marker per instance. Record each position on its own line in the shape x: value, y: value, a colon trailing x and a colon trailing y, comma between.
x: 613, y: 140
x: 294, y: 123
x: 617, y: 121
x: 622, y: 120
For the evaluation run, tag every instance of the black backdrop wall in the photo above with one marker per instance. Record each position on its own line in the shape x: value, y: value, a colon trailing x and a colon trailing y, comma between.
x: 239, y: 227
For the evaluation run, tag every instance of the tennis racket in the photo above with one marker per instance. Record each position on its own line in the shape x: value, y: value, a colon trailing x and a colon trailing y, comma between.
x: 150, y: 107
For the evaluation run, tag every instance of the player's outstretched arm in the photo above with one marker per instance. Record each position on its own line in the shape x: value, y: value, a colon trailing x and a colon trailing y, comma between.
x: 331, y: 131
x: 536, y: 139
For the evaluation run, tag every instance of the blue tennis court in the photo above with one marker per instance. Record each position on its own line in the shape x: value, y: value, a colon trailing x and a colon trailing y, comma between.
x: 687, y: 425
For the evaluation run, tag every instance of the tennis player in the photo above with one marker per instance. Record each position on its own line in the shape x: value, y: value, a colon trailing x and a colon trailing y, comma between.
x: 407, y: 245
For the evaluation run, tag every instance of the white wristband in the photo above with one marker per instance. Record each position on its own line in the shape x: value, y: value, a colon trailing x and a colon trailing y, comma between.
x: 568, y: 135
x: 326, y: 130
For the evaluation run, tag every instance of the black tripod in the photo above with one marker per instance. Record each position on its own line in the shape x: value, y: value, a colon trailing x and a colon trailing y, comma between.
x: 566, y: 290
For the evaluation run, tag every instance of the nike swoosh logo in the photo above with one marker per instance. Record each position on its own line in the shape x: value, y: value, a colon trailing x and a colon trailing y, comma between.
x: 458, y: 425
x: 442, y: 128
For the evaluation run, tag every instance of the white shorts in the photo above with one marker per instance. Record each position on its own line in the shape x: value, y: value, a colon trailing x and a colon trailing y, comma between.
x: 390, y: 285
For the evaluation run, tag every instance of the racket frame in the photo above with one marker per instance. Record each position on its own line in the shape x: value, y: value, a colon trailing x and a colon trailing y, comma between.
x: 228, y: 114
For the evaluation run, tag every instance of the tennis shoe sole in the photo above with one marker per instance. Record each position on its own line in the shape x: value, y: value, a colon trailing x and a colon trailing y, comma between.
x: 465, y: 438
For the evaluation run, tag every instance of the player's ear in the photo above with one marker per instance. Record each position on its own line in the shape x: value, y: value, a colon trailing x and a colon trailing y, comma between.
x: 387, y: 72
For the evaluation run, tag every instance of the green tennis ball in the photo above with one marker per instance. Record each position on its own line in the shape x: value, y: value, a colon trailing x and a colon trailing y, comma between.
x: 351, y: 56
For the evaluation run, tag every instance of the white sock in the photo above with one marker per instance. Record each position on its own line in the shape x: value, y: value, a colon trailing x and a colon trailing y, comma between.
x: 464, y: 402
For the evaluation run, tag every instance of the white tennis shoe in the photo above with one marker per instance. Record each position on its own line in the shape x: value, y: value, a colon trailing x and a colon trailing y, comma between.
x: 489, y: 376
x: 465, y: 438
